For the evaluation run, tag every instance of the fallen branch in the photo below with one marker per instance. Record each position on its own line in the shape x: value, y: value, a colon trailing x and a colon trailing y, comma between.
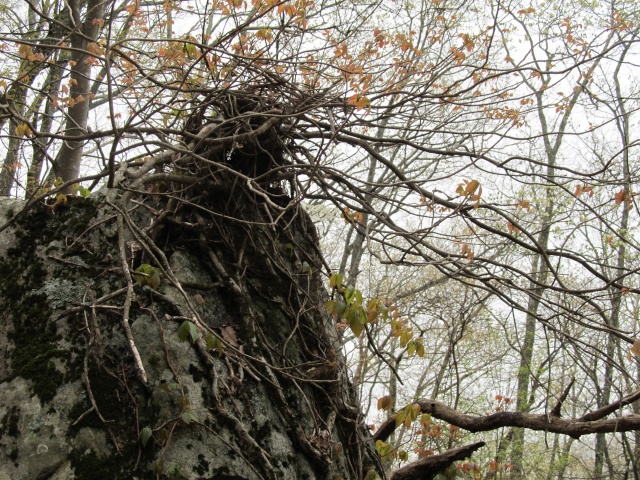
x: 429, y: 466
x: 576, y: 427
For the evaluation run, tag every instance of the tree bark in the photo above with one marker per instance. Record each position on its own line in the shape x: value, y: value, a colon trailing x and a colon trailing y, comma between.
x: 85, y: 33
x: 427, y: 467
x: 593, y: 422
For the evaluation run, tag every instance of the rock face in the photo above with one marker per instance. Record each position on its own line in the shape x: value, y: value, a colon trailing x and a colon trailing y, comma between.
x: 140, y: 339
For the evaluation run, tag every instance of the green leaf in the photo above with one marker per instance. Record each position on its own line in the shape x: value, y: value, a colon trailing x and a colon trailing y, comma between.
x: 188, y: 417
x: 183, y: 402
x: 425, y: 420
x: 356, y: 327
x: 188, y: 330
x: 400, y: 417
x: 145, y: 434
x: 148, y: 275
x: 212, y: 342
x: 330, y: 305
x: 82, y: 191
x: 358, y: 298
x: 383, y: 448
x: 372, y: 475
x: 289, y: 248
x: 163, y: 436
x: 170, y: 386
x: 349, y: 293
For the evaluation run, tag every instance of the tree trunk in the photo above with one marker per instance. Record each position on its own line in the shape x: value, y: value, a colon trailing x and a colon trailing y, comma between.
x: 67, y: 163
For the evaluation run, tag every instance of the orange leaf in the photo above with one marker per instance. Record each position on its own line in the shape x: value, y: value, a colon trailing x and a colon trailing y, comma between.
x: 384, y: 403
x: 512, y: 228
x: 472, y: 186
x: 23, y: 130
x: 358, y: 101
x: 93, y: 48
x: 24, y: 51
x: 620, y: 196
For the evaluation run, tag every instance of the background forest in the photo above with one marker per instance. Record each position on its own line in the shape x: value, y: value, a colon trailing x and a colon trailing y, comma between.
x: 472, y: 168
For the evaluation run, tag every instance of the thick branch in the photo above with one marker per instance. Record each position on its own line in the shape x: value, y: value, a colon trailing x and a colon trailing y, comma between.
x: 548, y: 423
x: 607, y: 409
x: 428, y: 466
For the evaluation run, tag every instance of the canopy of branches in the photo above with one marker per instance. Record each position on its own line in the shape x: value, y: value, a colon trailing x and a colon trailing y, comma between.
x: 472, y: 168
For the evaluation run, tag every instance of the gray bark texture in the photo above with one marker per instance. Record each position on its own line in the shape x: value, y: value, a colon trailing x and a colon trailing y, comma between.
x: 229, y: 368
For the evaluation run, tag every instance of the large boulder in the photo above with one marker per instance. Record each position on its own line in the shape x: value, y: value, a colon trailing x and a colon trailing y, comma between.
x: 144, y: 339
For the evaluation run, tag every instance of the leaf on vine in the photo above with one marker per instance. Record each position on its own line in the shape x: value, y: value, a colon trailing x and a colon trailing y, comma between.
x: 229, y: 336
x: 82, y: 191
x: 188, y: 416
x: 145, y: 274
x: 400, y: 417
x: 188, y: 330
x: 356, y: 326
x: 426, y: 420
x: 145, y: 435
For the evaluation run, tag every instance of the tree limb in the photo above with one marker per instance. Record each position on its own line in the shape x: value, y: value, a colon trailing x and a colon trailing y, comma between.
x: 590, y: 423
x: 556, y: 410
x: 607, y: 409
x: 428, y: 466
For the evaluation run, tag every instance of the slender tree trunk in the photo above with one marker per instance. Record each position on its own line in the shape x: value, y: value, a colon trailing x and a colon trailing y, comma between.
x: 552, y: 143
x: 526, y: 353
x: 16, y: 99
x: 536, y: 288
x: 67, y: 163
x: 613, y: 344
x: 16, y: 103
x: 564, y: 459
x: 361, y: 365
x: 40, y: 144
